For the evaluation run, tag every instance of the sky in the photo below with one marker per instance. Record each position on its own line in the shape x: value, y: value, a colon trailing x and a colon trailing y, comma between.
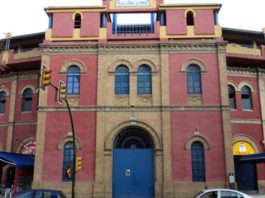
x: 22, y: 17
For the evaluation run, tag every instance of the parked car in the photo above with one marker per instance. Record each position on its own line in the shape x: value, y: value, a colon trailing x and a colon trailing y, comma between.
x: 40, y: 193
x: 221, y: 193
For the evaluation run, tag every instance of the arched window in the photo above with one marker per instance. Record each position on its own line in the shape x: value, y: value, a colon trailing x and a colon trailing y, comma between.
x: 73, y: 80
x: 27, y: 99
x: 232, y: 97
x: 144, y: 80
x: 68, y: 153
x: 77, y: 20
x: 190, y: 18
x: 2, y: 101
x: 198, y: 162
x: 246, y: 97
x: 122, y: 80
x: 194, y: 79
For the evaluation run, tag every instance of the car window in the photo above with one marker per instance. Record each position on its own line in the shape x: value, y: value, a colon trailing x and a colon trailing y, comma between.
x: 24, y: 195
x: 212, y: 194
x: 230, y: 194
x: 45, y: 194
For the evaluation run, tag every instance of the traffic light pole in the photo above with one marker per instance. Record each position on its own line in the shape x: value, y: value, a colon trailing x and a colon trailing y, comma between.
x: 74, y: 147
x: 74, y: 142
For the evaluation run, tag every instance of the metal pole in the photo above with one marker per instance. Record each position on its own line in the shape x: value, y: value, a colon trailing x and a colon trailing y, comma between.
x: 74, y: 147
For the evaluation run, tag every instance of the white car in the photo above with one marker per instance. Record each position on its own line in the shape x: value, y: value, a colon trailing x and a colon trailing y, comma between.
x: 221, y: 193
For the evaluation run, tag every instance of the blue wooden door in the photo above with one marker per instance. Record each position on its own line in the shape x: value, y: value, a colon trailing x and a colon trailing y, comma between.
x: 133, y: 173
x: 246, y: 175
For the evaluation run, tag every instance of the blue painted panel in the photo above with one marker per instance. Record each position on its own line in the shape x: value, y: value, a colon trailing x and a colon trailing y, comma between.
x: 133, y: 173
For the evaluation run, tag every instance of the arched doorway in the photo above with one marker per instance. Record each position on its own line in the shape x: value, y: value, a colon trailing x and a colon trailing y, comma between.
x: 245, y: 172
x: 133, y: 164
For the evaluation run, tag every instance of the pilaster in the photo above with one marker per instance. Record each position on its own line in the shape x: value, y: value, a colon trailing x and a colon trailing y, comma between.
x: 226, y: 117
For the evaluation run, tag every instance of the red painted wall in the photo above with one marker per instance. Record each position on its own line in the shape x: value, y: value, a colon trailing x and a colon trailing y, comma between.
x: 178, y: 79
x: 63, y: 25
x: 183, y: 124
x: 88, y: 80
x: 204, y: 22
x: 176, y: 22
x: 57, y: 127
x: 90, y: 24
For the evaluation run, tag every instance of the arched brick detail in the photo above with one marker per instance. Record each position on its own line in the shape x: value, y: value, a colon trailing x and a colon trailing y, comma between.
x: 68, y: 139
x: 252, y: 142
x: 193, y: 61
x: 113, y: 66
x: 116, y: 130
x: 197, y: 138
x: 69, y: 63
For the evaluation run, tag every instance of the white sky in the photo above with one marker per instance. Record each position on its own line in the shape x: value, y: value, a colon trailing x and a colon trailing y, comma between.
x: 28, y: 16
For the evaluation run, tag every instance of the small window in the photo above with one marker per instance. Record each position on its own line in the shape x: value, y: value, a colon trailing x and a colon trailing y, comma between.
x: 198, y: 162
x: 232, y: 97
x: 27, y: 97
x: 2, y: 101
x: 73, y: 80
x: 144, y: 80
x: 78, y: 20
x: 246, y: 98
x: 122, y: 80
x: 68, y: 161
x: 194, y: 79
x: 190, y: 18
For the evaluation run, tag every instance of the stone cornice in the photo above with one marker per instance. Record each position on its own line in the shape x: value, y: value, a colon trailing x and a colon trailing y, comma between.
x: 136, y: 109
x: 33, y: 74
x: 248, y: 72
x: 195, y: 46
x: 18, y: 123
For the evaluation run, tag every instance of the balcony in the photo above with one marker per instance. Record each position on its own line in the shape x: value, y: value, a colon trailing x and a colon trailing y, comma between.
x: 133, y: 29
x: 243, y: 49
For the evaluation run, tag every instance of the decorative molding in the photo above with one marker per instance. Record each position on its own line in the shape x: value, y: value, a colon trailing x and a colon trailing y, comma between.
x: 195, y: 46
x: 18, y: 123
x: 136, y: 109
x: 247, y: 121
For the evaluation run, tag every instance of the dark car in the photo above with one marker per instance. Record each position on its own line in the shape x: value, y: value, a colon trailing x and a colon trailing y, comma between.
x: 40, y: 193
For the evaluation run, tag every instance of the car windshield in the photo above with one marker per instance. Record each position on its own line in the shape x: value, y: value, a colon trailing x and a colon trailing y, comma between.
x: 197, y: 194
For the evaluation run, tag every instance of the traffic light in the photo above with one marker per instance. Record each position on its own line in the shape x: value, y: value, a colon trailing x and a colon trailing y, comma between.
x: 45, y: 77
x: 78, y: 163
x: 61, y: 92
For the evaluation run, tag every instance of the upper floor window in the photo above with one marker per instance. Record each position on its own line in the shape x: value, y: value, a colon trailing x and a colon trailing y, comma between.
x: 144, y: 80
x: 73, y: 80
x: 194, y: 79
x: 198, y: 162
x: 68, y: 161
x: 77, y: 20
x: 27, y: 97
x: 246, y: 97
x: 122, y: 80
x: 190, y: 18
x: 232, y: 97
x: 2, y: 101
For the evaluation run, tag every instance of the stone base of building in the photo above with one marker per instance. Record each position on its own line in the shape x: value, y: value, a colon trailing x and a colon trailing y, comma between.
x: 261, y: 186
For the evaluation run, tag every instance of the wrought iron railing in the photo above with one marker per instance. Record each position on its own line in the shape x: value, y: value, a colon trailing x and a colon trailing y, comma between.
x: 133, y: 29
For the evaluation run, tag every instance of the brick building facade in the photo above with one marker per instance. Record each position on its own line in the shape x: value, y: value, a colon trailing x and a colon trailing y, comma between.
x: 161, y: 109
